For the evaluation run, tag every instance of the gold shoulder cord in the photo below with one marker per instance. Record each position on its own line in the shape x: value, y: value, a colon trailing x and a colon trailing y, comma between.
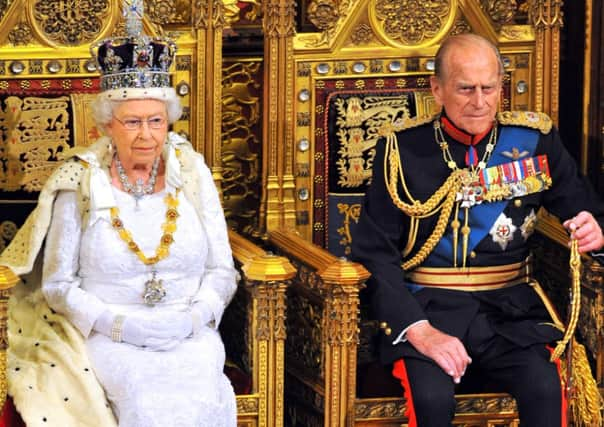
x: 442, y: 200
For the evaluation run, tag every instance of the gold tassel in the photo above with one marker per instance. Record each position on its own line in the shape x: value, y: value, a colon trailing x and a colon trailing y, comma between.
x: 585, y: 401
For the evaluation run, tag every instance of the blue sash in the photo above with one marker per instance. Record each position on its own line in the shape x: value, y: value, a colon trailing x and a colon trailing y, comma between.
x: 481, y: 217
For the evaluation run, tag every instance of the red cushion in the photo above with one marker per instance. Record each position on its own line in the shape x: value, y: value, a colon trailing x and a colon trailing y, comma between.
x: 10, y: 417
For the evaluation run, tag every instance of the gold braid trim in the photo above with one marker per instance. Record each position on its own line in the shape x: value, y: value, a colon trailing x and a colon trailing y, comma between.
x: 575, y: 303
x: 443, y: 199
x: 585, y: 401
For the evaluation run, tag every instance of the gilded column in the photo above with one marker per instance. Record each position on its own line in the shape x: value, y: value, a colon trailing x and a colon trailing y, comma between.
x: 267, y: 276
x: 206, y: 117
x: 546, y: 17
x: 340, y: 324
x: 277, y: 207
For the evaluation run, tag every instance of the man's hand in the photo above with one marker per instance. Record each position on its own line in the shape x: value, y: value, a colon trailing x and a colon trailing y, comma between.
x: 447, y: 351
x: 585, y: 229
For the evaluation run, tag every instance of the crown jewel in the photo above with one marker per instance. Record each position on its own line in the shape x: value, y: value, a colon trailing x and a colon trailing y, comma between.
x: 137, y: 60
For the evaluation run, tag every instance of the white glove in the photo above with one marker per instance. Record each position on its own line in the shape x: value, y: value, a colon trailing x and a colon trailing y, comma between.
x: 202, y: 315
x: 163, y: 332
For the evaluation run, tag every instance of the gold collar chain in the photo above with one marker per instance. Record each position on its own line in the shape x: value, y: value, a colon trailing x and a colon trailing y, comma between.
x: 444, y: 146
x: 168, y: 227
x: 469, y: 190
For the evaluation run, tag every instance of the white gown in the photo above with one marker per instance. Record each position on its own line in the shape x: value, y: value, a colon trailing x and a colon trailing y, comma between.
x: 90, y: 271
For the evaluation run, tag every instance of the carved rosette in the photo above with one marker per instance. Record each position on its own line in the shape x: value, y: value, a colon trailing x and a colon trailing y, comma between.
x: 413, y: 22
x: 21, y: 34
x: 362, y: 34
x: 70, y: 22
x: 501, y: 11
x: 162, y: 12
x: 324, y: 14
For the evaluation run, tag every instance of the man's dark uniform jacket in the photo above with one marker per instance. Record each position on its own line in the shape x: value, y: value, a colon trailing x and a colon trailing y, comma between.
x: 516, y: 312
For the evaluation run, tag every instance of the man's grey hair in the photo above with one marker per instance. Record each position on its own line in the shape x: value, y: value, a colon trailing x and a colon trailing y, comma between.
x: 459, y: 40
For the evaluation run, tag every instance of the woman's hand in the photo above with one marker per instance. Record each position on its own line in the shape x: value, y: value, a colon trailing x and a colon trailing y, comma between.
x: 163, y: 331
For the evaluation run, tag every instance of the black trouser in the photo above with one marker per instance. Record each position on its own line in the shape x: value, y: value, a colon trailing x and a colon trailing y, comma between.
x: 525, y: 373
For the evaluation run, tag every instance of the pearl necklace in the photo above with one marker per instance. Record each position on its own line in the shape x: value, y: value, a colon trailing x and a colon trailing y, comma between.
x: 138, y: 189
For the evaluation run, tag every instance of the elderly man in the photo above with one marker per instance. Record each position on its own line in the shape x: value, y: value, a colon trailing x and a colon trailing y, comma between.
x: 444, y: 231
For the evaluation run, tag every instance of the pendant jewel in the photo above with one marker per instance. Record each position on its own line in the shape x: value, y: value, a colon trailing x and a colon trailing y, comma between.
x: 154, y: 290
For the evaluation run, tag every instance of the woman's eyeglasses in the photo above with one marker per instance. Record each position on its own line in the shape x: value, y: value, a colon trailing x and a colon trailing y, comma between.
x: 136, y: 124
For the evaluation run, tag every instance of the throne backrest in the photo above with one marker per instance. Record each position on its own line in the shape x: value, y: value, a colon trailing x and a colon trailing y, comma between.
x: 350, y: 113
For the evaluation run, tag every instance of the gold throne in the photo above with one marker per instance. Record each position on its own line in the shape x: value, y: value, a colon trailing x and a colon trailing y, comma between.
x: 369, y: 63
x: 47, y: 80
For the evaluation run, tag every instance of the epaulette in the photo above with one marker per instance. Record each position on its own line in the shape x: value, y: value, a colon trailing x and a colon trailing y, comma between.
x: 404, y: 124
x: 528, y: 119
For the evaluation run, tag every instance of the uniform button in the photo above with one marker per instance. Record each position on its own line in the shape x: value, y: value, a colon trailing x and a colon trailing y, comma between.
x: 383, y: 325
x: 472, y: 254
x: 517, y: 203
x: 387, y: 331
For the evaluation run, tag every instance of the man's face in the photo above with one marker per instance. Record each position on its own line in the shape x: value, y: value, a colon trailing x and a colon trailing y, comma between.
x: 470, y: 87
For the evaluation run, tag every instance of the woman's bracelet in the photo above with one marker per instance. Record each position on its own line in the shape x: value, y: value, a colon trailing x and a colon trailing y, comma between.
x: 116, y: 328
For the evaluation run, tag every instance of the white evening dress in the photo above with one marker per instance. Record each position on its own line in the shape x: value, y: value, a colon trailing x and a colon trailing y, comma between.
x: 87, y: 271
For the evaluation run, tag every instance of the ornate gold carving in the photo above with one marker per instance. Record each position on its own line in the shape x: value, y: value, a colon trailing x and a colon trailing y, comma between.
x: 516, y: 32
x: 359, y: 121
x: 382, y: 408
x: 481, y: 404
x: 36, y: 134
x: 351, y: 213
x: 303, y: 346
x: 71, y: 22
x: 362, y: 34
x: 241, y: 144
x: 8, y: 229
x: 200, y: 14
x: 412, y: 22
x: 546, y: 14
x: 501, y: 11
x: 163, y: 12
x: 4, y: 295
x: 460, y: 27
x: 325, y: 15
x: 247, y: 405
x: 21, y: 34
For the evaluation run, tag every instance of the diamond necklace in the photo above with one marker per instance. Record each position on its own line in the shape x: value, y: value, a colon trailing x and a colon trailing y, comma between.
x: 138, y: 189
x: 469, y: 192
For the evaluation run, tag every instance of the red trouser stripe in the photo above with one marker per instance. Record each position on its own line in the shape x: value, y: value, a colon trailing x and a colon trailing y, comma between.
x: 400, y: 371
x: 564, y: 405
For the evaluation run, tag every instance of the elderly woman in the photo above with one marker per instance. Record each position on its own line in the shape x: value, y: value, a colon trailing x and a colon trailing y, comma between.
x: 136, y: 258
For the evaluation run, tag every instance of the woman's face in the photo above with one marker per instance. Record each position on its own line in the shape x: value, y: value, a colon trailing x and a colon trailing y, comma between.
x: 138, y: 129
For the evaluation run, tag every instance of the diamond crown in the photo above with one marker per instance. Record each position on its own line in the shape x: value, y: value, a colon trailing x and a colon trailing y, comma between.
x: 136, y: 60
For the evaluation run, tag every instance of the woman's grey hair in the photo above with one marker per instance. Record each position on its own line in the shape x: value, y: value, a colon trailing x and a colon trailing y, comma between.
x: 102, y: 108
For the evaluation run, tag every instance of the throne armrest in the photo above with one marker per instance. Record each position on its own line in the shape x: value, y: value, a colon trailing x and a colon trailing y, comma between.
x: 323, y: 327
x: 260, y: 302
